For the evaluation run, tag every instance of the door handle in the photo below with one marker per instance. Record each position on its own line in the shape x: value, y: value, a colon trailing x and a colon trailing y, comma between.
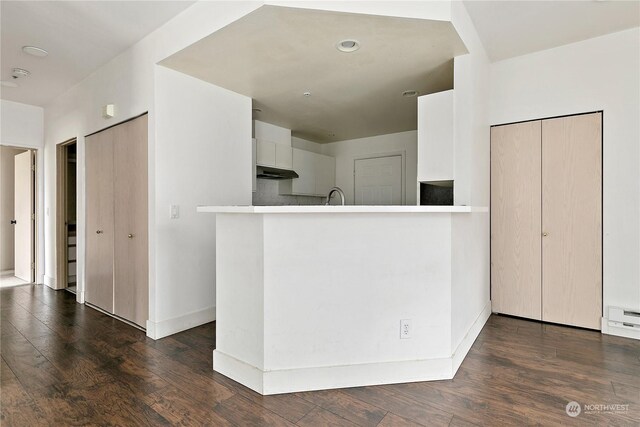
x: 13, y: 222
x: 99, y: 231
x: 130, y: 236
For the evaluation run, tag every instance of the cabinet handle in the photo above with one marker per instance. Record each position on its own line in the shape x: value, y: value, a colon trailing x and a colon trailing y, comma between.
x: 99, y: 231
x: 545, y: 234
x: 130, y: 236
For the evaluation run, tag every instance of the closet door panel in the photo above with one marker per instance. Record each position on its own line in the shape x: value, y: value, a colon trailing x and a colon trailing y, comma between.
x: 99, y: 219
x: 515, y: 220
x: 572, y: 220
x: 131, y: 243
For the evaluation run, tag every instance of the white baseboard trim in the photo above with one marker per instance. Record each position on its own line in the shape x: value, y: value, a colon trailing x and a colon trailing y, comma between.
x: 164, y: 328
x: 330, y: 377
x: 50, y: 281
x: 465, y: 345
x: 620, y: 330
x: 239, y: 371
x: 267, y: 382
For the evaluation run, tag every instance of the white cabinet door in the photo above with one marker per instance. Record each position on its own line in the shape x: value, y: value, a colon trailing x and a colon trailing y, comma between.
x: 305, y: 166
x: 284, y: 156
x: 265, y: 153
x: 317, y: 174
x: 253, y: 164
x: 325, y: 174
x: 435, y: 137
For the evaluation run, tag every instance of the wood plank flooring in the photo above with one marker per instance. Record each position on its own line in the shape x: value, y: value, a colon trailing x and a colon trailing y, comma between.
x: 66, y: 364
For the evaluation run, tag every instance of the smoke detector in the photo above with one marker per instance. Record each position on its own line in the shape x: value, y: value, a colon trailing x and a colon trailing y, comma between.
x: 18, y: 73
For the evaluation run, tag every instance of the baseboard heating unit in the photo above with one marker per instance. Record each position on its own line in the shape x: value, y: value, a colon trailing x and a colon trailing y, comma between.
x: 624, y: 318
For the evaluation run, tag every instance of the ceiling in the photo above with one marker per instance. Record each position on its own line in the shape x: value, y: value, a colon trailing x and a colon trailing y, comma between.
x: 80, y: 36
x: 276, y: 54
x: 513, y: 28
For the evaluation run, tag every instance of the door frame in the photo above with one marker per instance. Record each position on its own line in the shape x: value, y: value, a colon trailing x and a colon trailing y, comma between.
x: 403, y: 174
x: 61, y: 253
x: 37, y: 248
x: 602, y: 187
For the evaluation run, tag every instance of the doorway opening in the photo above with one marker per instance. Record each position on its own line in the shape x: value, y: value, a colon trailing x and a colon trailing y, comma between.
x: 17, y: 216
x: 66, y: 219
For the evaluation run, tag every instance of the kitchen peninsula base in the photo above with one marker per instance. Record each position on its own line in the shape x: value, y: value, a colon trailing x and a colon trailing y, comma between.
x: 313, y: 297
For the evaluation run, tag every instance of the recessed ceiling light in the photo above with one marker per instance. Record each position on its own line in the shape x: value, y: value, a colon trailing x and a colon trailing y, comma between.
x: 35, y: 51
x: 410, y: 93
x: 8, y: 83
x: 348, y: 45
x: 307, y: 94
x: 18, y: 73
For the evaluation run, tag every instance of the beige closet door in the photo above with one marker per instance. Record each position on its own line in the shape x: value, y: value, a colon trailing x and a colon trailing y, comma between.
x: 572, y: 220
x: 515, y: 220
x: 99, y: 219
x: 131, y: 296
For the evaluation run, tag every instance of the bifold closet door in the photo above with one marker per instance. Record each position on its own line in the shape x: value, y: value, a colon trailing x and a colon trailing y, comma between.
x: 515, y: 219
x: 131, y: 296
x: 99, y: 217
x: 572, y: 220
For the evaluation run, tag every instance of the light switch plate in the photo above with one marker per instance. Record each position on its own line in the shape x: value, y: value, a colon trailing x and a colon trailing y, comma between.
x: 174, y: 212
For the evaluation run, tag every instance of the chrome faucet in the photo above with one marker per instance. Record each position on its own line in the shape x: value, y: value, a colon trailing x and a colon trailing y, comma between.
x: 335, y: 190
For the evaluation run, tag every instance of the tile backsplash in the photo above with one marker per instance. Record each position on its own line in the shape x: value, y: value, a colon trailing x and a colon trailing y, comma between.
x: 267, y: 195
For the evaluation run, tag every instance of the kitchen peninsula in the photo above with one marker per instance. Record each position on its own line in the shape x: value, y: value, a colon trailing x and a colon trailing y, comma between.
x: 313, y: 297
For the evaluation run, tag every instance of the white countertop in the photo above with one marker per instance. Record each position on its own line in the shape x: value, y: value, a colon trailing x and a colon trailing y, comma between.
x: 339, y: 209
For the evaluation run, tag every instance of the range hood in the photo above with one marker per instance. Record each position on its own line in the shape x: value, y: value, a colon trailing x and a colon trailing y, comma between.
x: 267, y: 172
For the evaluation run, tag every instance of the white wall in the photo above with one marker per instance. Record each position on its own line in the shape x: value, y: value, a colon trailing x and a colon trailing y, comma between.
x: 347, y: 151
x: 7, y: 193
x: 306, y: 145
x: 128, y: 81
x: 203, y: 157
x: 597, y: 74
x: 470, y: 234
x: 22, y: 125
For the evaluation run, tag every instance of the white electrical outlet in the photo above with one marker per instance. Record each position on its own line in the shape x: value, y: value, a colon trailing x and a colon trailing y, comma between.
x: 405, y: 328
x: 174, y: 212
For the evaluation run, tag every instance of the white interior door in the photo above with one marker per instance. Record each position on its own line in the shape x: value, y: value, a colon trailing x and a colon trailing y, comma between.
x: 23, y: 209
x: 378, y: 181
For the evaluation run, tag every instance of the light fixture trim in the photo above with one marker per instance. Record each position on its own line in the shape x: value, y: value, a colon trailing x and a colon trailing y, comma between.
x: 348, y: 45
x: 410, y: 93
x: 35, y: 51
x: 18, y: 73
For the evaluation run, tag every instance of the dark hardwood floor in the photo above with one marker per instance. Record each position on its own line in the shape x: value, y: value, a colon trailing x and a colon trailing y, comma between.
x: 67, y: 364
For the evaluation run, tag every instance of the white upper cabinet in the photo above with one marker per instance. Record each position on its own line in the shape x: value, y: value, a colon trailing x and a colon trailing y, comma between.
x: 273, y: 145
x: 253, y: 164
x: 435, y: 137
x: 317, y: 174
x: 284, y: 156
x: 272, y: 154
x: 325, y: 174
x: 305, y: 167
x: 265, y: 153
